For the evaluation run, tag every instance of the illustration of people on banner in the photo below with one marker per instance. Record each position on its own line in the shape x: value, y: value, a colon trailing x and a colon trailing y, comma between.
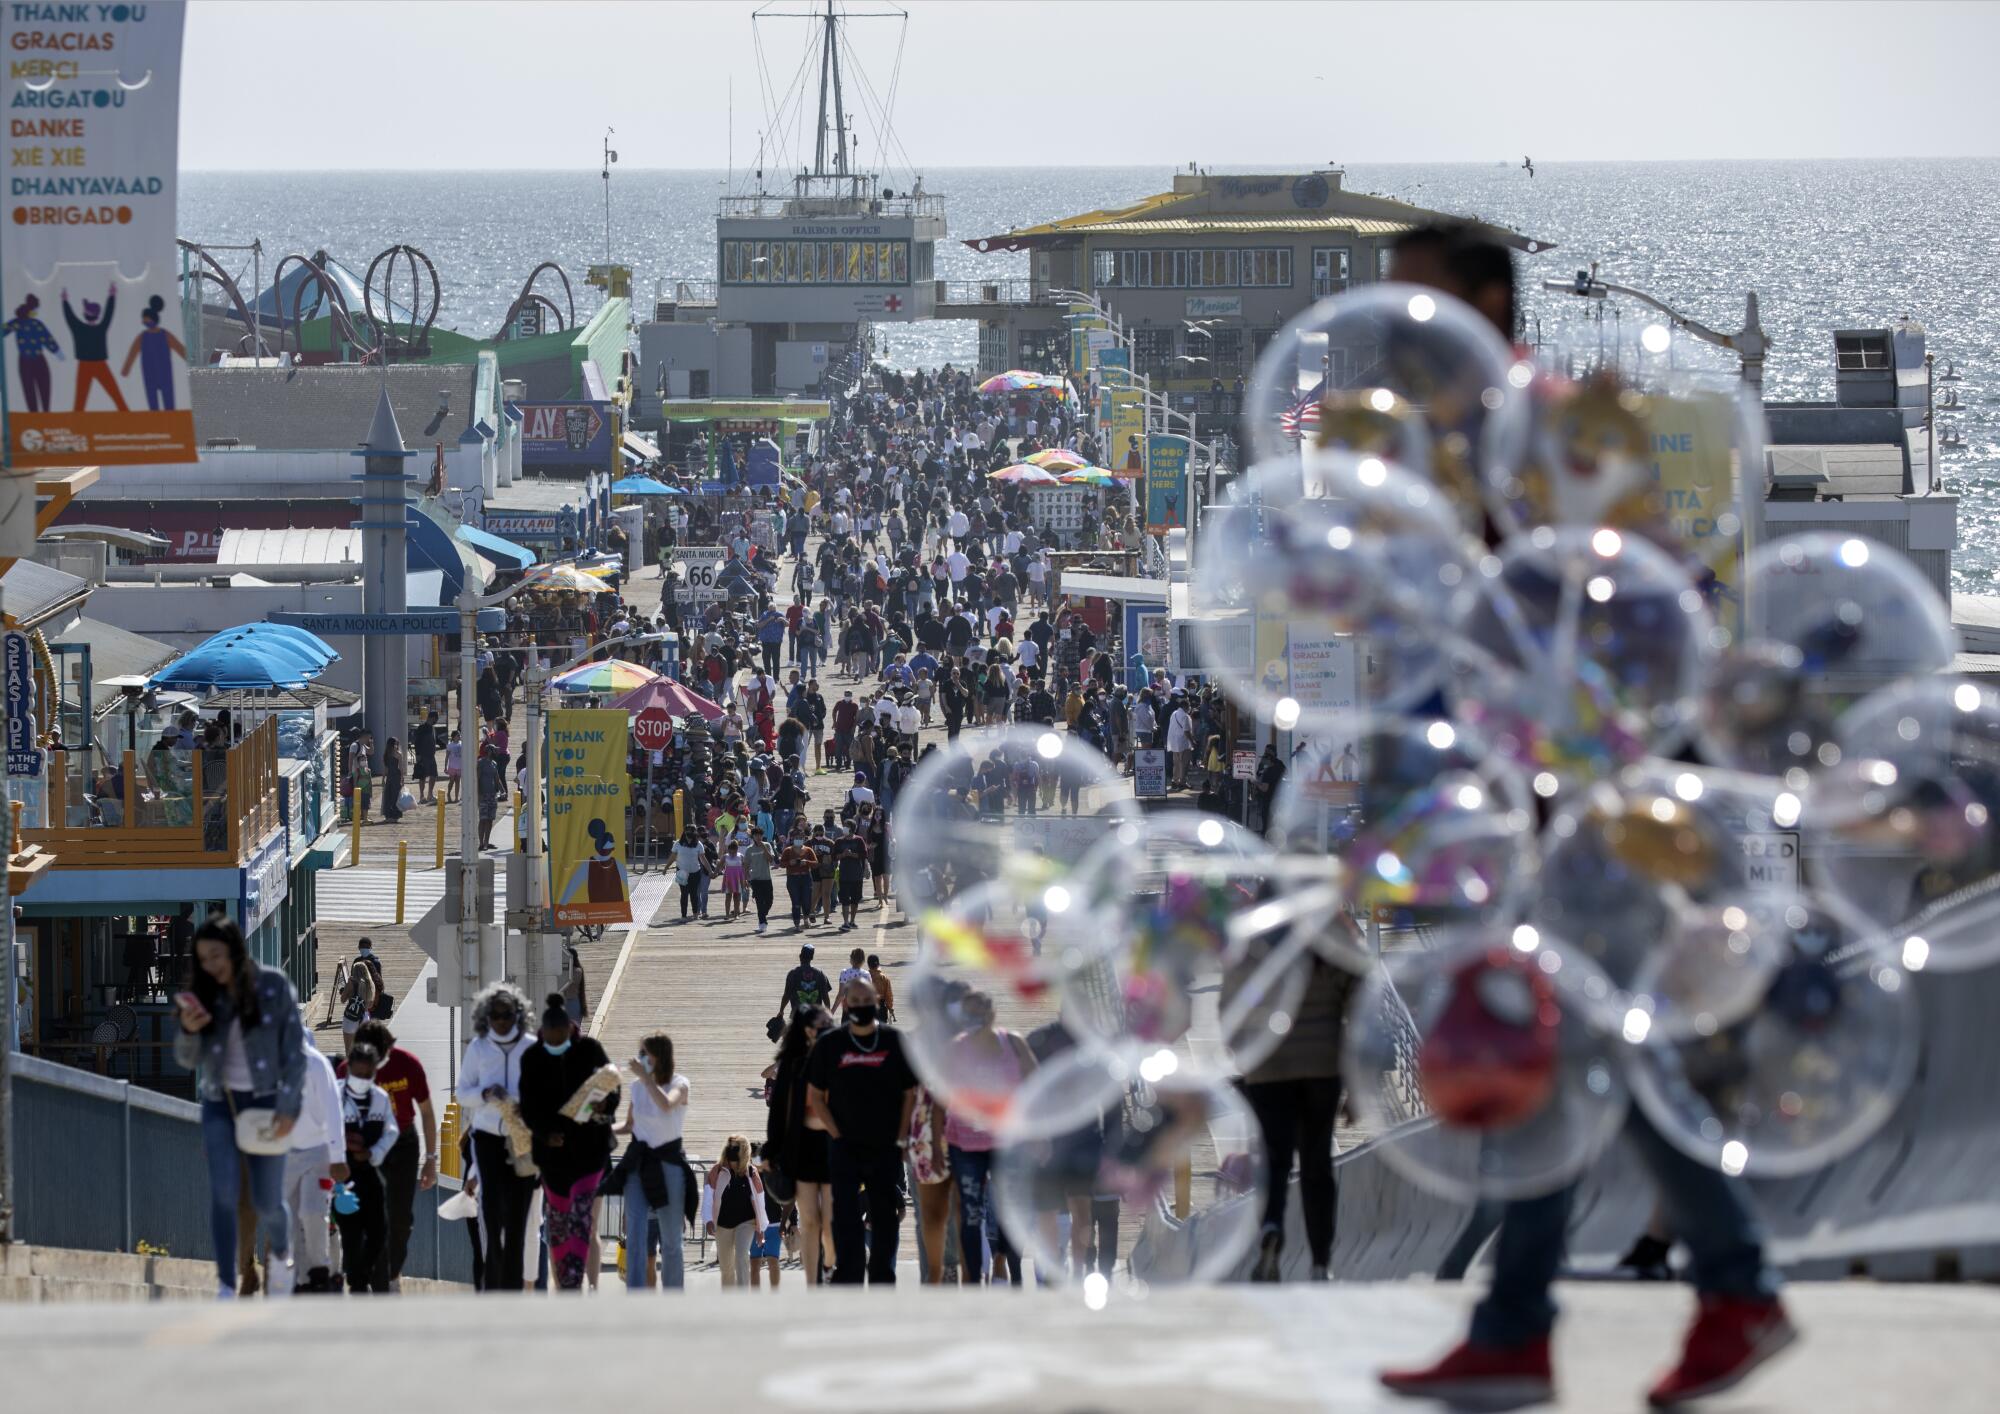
x: 90, y: 274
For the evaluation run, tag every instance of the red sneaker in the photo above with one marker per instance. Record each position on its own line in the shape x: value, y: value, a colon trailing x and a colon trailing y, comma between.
x: 1482, y: 1377
x: 1731, y: 1337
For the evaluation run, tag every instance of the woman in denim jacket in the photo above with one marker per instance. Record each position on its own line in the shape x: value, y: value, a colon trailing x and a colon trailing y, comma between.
x: 241, y: 1034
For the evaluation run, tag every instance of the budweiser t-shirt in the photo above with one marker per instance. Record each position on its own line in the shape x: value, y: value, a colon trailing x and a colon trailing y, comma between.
x: 865, y: 1079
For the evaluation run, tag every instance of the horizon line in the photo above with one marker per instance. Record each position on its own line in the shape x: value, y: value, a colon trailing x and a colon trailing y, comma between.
x: 1227, y: 169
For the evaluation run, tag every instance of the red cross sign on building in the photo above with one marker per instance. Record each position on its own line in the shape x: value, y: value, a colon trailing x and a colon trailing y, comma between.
x: 892, y: 303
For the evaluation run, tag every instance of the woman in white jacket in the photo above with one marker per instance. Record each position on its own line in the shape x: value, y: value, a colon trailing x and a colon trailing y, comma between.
x: 489, y: 1080
x: 318, y: 1160
x: 732, y: 1206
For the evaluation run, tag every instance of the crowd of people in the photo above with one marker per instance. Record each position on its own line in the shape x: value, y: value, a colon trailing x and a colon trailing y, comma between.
x: 922, y: 594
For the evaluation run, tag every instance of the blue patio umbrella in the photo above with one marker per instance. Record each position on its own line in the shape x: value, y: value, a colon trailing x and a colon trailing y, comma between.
x: 223, y: 667
x: 304, y: 644
x: 644, y: 486
x: 278, y: 650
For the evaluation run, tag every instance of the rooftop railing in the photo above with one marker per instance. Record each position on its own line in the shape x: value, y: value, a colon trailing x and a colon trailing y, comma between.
x: 168, y: 807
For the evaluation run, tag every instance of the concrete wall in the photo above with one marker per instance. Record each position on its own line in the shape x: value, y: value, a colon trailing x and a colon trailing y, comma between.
x: 1915, y: 1203
x: 800, y: 364
x: 101, y: 1165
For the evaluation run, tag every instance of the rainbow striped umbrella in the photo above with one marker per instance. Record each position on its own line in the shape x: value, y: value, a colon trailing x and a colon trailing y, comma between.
x: 1088, y: 476
x: 1021, y: 474
x: 1058, y: 459
x: 609, y: 676
x: 1019, y: 380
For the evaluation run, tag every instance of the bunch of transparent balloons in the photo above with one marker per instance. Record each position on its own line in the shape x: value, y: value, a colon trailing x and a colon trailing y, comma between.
x: 1597, y: 796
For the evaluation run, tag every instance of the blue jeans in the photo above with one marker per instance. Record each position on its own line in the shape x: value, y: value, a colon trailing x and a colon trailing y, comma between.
x: 267, y: 1187
x: 701, y: 894
x: 972, y: 1170
x: 1707, y: 1211
x: 644, y: 1224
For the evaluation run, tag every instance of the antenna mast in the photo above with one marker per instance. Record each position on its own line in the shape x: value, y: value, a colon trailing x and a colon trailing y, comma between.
x: 609, y: 158
x: 829, y: 66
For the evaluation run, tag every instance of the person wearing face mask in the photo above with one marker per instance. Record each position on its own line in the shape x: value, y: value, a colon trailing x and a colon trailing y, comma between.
x: 489, y: 1083
x: 368, y: 1116
x: 317, y: 1161
x: 652, y: 1173
x: 992, y: 1060
x: 860, y: 1087
x: 569, y: 1111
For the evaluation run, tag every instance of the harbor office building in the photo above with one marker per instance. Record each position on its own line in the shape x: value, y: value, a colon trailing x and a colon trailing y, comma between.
x: 1201, y: 276
x: 795, y: 278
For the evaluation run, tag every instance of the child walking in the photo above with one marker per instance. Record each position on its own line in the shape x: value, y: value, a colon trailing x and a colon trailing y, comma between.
x: 732, y: 882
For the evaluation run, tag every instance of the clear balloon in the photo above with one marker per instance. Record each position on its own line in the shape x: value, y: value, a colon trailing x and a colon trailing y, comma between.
x: 985, y: 979
x: 1906, y: 820
x: 1630, y: 431
x: 1093, y: 1201
x: 1810, y: 1074
x: 1201, y: 928
x: 1314, y: 588
x: 957, y: 821
x: 1422, y: 824
x: 1397, y: 372
x: 1831, y: 616
x: 1578, y: 652
x: 1650, y: 878
x: 1488, y: 1043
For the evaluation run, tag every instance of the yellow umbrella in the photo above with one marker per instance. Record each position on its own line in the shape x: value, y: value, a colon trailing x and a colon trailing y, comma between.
x: 1057, y: 459
x: 565, y: 577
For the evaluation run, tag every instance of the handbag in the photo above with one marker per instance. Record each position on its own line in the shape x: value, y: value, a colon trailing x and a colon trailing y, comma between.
x: 253, y: 1130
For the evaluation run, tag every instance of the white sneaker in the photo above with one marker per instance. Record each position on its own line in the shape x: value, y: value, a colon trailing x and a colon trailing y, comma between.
x: 281, y: 1278
x: 225, y: 1293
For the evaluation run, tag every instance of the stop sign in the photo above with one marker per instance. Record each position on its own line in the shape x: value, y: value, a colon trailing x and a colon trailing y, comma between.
x: 653, y: 728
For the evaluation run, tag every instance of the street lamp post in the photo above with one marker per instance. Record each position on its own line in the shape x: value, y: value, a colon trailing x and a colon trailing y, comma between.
x: 540, y: 977
x: 1750, y: 343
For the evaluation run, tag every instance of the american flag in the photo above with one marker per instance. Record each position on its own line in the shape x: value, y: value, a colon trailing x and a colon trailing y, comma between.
x: 1302, y: 415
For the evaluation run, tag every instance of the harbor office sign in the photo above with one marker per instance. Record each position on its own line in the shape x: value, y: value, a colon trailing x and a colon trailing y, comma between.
x: 565, y: 434
x: 89, y: 273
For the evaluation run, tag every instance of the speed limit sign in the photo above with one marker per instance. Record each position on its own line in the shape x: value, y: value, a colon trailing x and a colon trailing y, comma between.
x: 700, y: 567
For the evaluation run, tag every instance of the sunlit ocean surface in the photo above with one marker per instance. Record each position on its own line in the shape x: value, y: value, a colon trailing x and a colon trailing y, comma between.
x: 1826, y: 245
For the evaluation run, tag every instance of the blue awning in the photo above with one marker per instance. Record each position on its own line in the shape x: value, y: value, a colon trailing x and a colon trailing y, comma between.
x: 495, y: 548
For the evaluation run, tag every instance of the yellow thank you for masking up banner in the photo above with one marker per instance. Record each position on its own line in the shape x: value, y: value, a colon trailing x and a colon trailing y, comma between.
x: 588, y: 790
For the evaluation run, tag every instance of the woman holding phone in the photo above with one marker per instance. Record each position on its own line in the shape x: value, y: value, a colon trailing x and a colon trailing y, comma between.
x: 241, y: 1035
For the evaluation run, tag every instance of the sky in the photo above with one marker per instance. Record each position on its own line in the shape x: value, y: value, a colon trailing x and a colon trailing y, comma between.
x: 509, y: 84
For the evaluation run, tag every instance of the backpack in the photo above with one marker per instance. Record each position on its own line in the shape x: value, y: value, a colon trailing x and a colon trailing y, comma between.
x: 357, y: 1002
x: 735, y: 1207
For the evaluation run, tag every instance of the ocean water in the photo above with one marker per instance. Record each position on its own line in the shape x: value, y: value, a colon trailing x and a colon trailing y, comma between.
x: 1825, y: 244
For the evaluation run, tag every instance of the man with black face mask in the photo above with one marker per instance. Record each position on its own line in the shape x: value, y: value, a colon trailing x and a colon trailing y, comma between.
x: 860, y: 1086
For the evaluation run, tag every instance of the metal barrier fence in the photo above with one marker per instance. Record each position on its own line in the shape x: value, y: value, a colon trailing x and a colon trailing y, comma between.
x: 102, y: 1165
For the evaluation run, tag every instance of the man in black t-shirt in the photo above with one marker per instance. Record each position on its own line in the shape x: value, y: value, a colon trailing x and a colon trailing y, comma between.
x: 860, y: 1086
x: 806, y: 987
